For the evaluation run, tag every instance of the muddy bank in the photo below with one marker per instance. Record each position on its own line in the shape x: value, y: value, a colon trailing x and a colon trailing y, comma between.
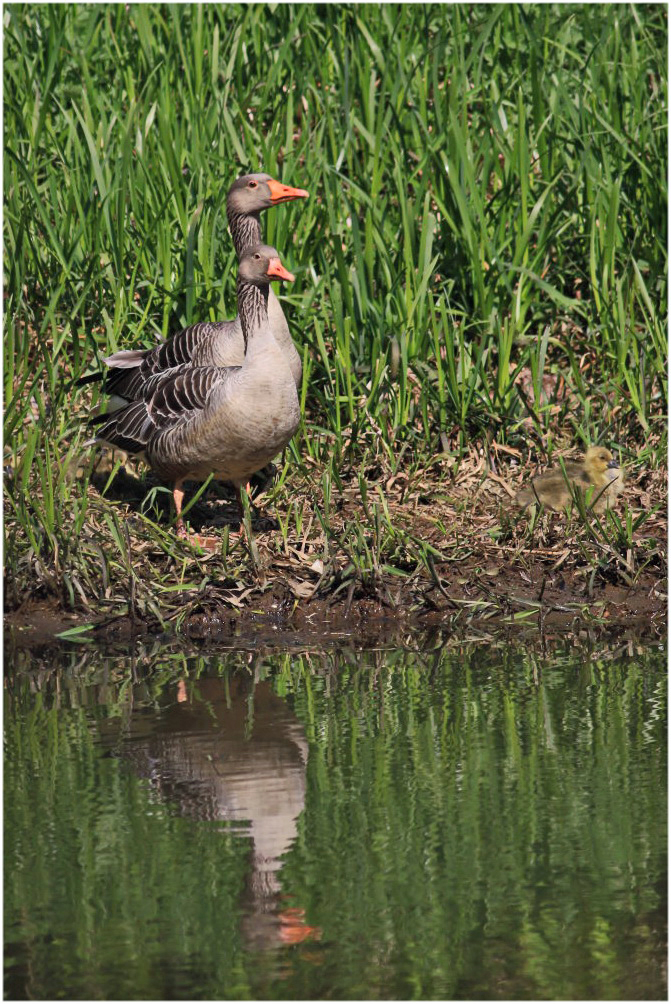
x: 468, y: 603
x: 430, y: 553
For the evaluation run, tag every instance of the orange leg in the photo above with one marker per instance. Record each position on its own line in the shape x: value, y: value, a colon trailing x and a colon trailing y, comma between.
x: 208, y: 543
x: 178, y: 495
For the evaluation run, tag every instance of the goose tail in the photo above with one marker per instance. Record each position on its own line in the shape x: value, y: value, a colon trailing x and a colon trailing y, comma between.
x: 127, y: 429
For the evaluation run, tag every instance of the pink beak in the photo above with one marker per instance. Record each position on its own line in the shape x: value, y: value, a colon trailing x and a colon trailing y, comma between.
x: 283, y: 193
x: 276, y: 270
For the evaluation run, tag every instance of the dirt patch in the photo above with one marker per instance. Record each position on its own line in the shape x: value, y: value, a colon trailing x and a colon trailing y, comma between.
x: 386, y: 551
x: 467, y: 604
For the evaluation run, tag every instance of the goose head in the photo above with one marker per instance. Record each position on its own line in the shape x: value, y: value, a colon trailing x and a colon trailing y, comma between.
x: 254, y: 192
x: 261, y: 263
x: 598, y: 460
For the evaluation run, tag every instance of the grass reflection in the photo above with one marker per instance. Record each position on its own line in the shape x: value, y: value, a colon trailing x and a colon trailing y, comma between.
x: 102, y: 882
x: 478, y: 823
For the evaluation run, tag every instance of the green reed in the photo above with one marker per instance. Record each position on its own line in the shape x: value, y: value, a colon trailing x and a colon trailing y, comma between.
x: 487, y: 196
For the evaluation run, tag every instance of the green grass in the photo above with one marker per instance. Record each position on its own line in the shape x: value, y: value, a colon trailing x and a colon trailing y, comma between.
x: 482, y: 259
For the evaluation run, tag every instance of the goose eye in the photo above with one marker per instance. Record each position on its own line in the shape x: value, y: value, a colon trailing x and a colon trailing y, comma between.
x: 252, y: 184
x: 257, y: 257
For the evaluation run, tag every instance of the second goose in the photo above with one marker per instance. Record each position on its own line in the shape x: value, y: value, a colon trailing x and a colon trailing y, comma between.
x: 193, y: 421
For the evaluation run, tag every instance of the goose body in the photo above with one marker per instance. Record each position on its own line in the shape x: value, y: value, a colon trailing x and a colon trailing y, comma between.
x: 599, y: 477
x: 218, y: 343
x: 193, y: 421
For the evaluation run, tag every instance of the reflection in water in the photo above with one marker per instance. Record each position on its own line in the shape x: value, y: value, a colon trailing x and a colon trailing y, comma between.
x: 232, y: 751
x: 470, y: 823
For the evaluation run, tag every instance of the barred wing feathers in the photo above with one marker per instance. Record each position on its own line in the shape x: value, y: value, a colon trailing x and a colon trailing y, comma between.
x: 130, y: 369
x: 129, y: 428
x: 169, y: 399
x: 181, y: 393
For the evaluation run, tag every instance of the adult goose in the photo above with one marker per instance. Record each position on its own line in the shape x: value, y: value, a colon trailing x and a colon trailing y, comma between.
x: 193, y: 421
x: 211, y: 343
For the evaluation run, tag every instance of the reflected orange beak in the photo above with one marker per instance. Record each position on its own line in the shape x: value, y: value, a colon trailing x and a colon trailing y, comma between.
x: 283, y: 193
x: 276, y: 270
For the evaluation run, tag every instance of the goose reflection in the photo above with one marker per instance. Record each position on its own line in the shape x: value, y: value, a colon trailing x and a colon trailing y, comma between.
x: 232, y: 752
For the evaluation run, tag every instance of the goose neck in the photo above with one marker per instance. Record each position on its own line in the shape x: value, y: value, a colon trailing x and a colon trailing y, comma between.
x: 245, y: 230
x: 252, y: 308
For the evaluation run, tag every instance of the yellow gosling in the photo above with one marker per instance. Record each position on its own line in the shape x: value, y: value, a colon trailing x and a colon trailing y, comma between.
x: 599, y: 478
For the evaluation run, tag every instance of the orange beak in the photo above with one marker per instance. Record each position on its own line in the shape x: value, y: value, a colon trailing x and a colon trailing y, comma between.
x: 283, y: 193
x: 276, y: 270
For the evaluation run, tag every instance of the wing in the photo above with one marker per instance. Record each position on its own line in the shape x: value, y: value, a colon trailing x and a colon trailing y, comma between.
x: 194, y: 345
x: 169, y: 399
x: 179, y: 394
x: 191, y: 345
x: 130, y: 369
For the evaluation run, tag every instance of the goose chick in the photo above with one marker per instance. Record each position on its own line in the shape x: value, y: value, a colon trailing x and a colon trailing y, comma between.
x: 193, y: 421
x: 599, y: 477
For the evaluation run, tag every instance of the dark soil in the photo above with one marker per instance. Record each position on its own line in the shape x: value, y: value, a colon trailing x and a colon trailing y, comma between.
x: 469, y: 602
x: 462, y: 558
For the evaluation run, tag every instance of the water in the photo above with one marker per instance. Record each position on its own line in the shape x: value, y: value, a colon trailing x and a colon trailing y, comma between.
x: 470, y: 822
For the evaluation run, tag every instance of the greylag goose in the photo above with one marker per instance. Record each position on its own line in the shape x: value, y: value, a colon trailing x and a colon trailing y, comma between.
x: 599, y: 472
x: 193, y: 421
x: 211, y: 343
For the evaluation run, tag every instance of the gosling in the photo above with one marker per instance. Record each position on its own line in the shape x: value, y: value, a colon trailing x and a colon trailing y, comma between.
x: 599, y: 479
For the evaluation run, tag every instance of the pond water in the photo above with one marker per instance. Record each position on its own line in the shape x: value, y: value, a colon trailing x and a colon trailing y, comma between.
x: 462, y: 822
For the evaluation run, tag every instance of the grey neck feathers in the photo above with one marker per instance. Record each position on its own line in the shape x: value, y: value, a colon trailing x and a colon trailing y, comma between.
x: 252, y: 308
x: 245, y: 231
